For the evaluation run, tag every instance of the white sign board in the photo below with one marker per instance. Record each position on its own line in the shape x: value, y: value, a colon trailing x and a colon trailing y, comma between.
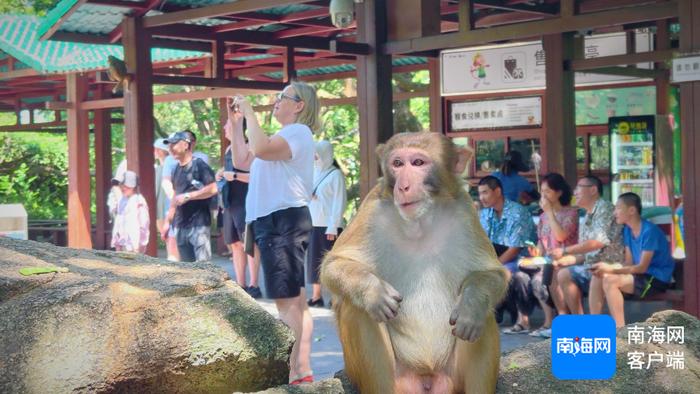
x: 490, y: 114
x: 522, y: 66
x: 686, y: 69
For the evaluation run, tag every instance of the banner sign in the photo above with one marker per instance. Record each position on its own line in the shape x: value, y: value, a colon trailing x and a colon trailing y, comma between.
x: 686, y: 69
x: 491, y: 114
x: 522, y: 66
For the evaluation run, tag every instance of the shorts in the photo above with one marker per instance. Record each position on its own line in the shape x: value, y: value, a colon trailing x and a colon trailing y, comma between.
x: 646, y: 285
x: 319, y: 245
x: 581, y: 276
x: 194, y: 243
x: 282, y: 238
x: 233, y: 224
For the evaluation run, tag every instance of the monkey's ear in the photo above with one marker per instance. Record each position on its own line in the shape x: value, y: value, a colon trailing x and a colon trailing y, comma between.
x: 380, y: 151
x: 464, y: 154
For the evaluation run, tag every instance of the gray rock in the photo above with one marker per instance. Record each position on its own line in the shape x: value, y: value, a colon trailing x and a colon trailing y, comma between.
x: 125, y: 323
x: 528, y: 369
x: 327, y: 386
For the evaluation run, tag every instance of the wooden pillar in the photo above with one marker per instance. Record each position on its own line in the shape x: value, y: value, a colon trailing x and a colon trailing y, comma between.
x: 138, y: 115
x: 664, y: 135
x: 689, y: 17
x: 289, y: 71
x: 223, y: 117
x: 559, y: 115
x: 103, y: 171
x: 78, y: 129
x: 374, y: 95
x: 436, y: 110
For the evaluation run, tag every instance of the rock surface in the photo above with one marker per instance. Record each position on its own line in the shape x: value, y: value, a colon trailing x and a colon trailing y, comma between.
x: 528, y: 369
x: 124, y: 323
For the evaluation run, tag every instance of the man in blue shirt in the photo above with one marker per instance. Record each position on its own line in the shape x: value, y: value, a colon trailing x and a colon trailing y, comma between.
x: 508, y: 225
x: 647, y: 268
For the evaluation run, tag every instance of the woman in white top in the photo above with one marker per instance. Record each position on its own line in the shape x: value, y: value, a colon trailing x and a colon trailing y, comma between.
x: 328, y: 201
x: 131, y: 220
x: 281, y: 181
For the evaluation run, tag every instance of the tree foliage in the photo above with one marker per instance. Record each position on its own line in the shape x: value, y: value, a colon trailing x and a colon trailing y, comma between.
x: 31, y: 7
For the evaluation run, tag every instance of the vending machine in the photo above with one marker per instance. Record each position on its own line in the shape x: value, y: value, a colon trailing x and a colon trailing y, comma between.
x: 632, y: 156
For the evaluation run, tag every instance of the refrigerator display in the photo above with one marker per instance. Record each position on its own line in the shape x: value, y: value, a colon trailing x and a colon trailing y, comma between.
x: 632, y: 160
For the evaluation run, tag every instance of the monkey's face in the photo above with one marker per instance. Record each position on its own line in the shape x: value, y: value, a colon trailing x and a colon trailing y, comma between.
x: 411, y: 171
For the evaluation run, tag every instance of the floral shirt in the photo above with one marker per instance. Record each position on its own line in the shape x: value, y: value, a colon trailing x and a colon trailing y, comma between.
x: 567, y: 217
x: 600, y: 225
x: 512, y: 229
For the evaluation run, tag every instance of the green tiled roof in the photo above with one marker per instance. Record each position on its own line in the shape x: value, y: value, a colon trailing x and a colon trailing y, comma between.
x: 19, y: 37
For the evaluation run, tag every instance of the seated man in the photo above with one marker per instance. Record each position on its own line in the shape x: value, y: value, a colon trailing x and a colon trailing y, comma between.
x: 647, y: 268
x: 508, y: 225
x: 599, y: 239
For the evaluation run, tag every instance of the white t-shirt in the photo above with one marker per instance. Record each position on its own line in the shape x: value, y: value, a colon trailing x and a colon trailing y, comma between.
x: 281, y: 184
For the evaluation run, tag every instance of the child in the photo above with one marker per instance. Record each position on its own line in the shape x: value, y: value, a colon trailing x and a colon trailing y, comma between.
x: 131, y: 221
x: 647, y: 268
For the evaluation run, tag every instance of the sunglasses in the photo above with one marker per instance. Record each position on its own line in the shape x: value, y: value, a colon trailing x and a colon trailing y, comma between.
x: 282, y: 96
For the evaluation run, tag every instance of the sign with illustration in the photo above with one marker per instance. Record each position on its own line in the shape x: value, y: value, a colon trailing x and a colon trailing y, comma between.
x: 491, y: 114
x: 522, y: 66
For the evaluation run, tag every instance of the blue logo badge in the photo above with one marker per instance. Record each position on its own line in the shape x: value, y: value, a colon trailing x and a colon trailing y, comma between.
x: 583, y: 347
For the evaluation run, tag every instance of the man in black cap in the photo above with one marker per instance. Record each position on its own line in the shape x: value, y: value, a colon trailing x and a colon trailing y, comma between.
x: 513, y: 183
x: 193, y: 181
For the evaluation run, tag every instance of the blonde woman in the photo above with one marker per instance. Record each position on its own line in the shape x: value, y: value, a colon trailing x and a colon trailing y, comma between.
x: 279, y: 192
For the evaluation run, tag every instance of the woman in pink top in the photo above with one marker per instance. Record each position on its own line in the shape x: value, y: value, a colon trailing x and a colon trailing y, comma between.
x: 558, y: 227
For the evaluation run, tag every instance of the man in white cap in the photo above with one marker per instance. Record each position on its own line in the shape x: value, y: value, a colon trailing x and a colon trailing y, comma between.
x: 189, y: 212
x: 131, y: 221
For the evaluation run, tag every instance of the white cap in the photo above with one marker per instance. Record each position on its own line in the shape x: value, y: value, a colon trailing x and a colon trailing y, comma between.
x: 160, y: 144
x: 128, y: 179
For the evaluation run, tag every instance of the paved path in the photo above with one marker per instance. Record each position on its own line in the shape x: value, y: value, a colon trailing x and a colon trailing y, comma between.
x: 327, y: 353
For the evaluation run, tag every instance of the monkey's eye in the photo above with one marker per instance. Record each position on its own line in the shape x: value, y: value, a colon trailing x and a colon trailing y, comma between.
x: 396, y: 163
x: 418, y: 162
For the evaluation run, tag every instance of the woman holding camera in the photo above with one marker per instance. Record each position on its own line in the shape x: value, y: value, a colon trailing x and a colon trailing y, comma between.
x: 281, y: 182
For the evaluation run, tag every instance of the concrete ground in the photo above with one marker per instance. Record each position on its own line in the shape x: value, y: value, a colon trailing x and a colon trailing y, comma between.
x: 327, y: 353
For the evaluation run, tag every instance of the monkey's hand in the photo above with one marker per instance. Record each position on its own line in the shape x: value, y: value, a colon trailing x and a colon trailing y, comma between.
x: 469, y: 316
x: 381, y: 300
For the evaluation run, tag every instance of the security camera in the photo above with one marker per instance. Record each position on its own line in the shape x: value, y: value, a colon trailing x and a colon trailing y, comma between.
x: 342, y: 12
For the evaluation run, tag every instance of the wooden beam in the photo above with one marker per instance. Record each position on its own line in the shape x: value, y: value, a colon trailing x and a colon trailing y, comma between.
x: 412, y: 18
x: 436, y: 121
x: 26, y: 72
x: 466, y: 18
x: 641, y: 13
x: 215, y: 83
x: 138, y: 116
x: 628, y: 72
x: 373, y: 89
x: 617, y: 60
x: 62, y: 19
x: 214, y: 10
x: 289, y: 71
x: 59, y: 105
x: 559, y: 146
x: 103, y: 171
x: 79, y: 37
x: 689, y: 17
x: 567, y: 8
x: 541, y: 9
x: 204, y: 33
x: 78, y: 165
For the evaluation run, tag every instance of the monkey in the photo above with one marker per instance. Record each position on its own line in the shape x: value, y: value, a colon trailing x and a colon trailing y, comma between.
x: 414, y: 278
x: 118, y: 74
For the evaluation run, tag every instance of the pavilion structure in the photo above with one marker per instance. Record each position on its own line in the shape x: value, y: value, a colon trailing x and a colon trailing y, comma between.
x: 262, y: 44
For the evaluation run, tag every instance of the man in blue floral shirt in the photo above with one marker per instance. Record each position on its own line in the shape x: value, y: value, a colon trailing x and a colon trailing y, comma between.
x: 508, y: 225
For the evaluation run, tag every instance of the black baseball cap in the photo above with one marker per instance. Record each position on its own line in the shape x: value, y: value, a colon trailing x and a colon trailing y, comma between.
x: 176, y: 137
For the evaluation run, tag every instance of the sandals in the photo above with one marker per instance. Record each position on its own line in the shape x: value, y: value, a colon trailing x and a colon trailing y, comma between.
x: 516, y: 329
x: 302, y: 379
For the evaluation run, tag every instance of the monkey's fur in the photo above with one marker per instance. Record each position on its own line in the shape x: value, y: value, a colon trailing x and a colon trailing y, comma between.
x: 403, y: 273
x: 118, y: 74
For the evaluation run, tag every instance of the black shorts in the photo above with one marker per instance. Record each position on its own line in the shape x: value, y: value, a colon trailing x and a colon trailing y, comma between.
x: 318, y: 246
x: 234, y: 223
x: 282, y: 238
x: 646, y: 285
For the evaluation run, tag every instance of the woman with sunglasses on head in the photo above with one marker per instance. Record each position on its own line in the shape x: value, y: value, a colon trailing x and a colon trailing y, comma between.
x: 279, y: 192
